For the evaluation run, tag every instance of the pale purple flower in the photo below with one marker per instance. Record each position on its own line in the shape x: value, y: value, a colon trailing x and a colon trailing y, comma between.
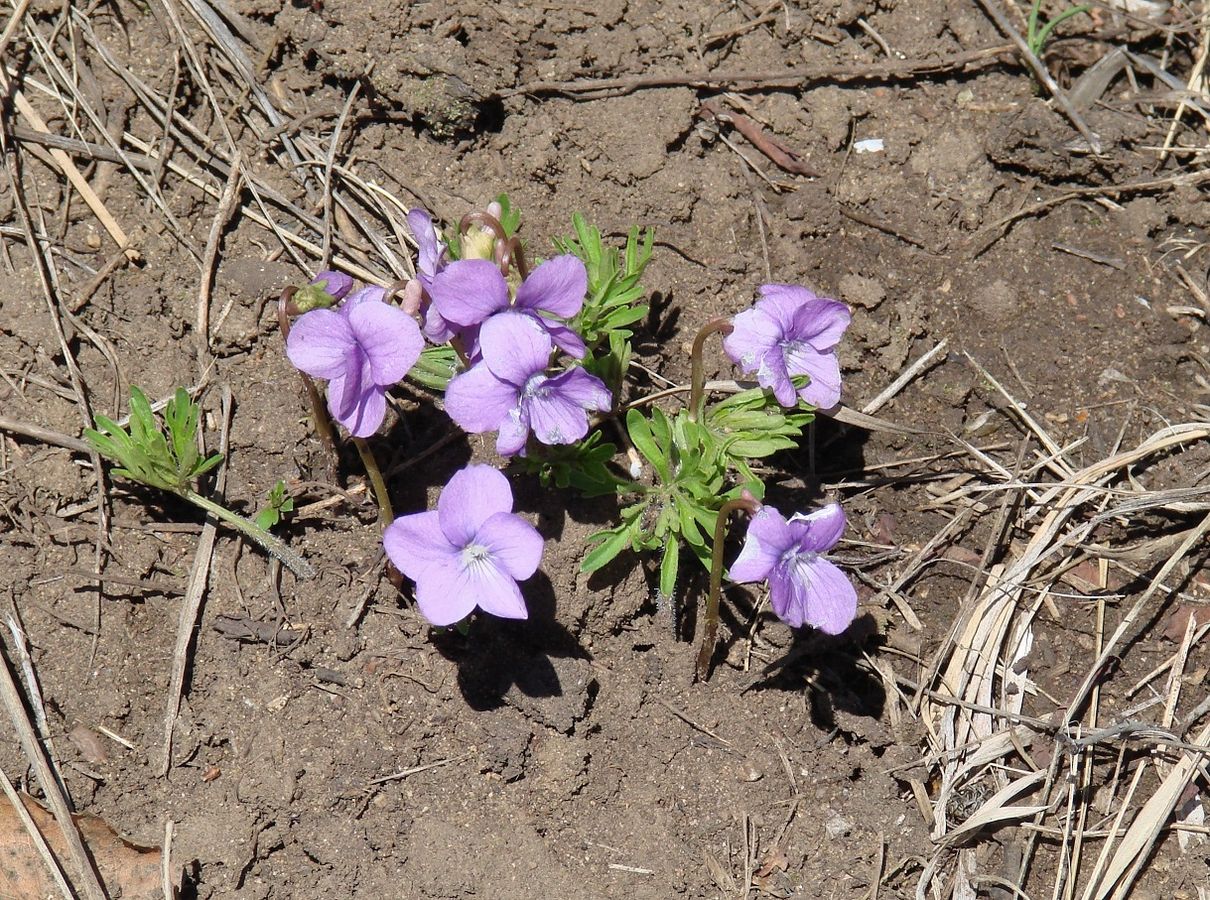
x: 470, y: 551
x: 361, y: 348
x: 468, y: 292
x: 510, y: 391
x: 791, y: 332
x: 804, y: 588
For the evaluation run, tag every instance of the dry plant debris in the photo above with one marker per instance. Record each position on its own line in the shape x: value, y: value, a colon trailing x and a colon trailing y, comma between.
x: 127, y: 870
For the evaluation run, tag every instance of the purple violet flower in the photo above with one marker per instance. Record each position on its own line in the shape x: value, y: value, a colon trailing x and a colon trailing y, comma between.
x: 469, y: 291
x: 361, y: 348
x: 791, y: 332
x: 471, y: 551
x: 508, y: 389
x: 805, y: 588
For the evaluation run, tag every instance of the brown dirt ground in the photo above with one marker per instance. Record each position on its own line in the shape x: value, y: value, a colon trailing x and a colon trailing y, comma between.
x: 571, y: 756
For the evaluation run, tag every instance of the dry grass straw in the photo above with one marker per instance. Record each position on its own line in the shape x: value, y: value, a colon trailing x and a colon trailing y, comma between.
x: 176, y: 157
x: 980, y: 745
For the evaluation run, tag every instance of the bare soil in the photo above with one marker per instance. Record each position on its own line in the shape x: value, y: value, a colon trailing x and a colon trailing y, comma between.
x: 572, y: 755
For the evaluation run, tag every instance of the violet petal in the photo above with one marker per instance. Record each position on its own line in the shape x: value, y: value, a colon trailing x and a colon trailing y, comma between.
x: 753, y: 335
x: 773, y: 374
x: 823, y: 390
x: 768, y: 539
x: 822, y: 530
x: 556, y: 286
x: 390, y: 338
x: 416, y: 543
x: 821, y: 323
x: 513, y: 433
x: 442, y: 596
x: 514, y: 346
x: 515, y: 545
x: 472, y: 496
x: 320, y: 342
x: 478, y: 401
x: 468, y: 291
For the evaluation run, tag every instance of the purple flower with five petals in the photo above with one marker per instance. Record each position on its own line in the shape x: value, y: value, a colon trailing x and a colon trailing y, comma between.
x: 804, y: 588
x: 361, y: 348
x: 791, y: 332
x: 508, y: 389
x: 468, y: 292
x: 471, y: 551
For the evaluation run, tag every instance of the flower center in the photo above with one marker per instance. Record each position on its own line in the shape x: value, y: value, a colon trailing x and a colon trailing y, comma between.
x: 798, y: 563
x: 475, y: 556
x: 535, y: 387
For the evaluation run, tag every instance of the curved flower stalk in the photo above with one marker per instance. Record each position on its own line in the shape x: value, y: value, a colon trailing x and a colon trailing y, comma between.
x: 789, y: 332
x: 509, y: 390
x: 469, y: 552
x: 361, y: 348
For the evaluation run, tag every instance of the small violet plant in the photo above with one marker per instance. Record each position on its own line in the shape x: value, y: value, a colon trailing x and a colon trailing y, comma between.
x: 541, y: 357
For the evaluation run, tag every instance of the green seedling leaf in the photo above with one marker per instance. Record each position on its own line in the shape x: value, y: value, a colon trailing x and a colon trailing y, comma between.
x: 668, y: 568
x: 277, y: 503
x: 167, y: 458
x: 510, y: 219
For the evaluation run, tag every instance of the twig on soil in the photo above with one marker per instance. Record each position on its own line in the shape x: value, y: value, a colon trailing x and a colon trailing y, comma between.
x: 48, y: 779
x: 414, y: 770
x: 166, y: 879
x: 892, y: 390
x: 68, y: 168
x: 885, y: 227
x: 978, y: 243
x: 46, y: 280
x: 800, y: 77
x: 192, y: 603
x: 782, y: 155
x: 210, y: 260
x: 688, y: 721
x: 34, y: 695
x: 13, y: 23
x: 1195, y: 78
x: 45, y: 435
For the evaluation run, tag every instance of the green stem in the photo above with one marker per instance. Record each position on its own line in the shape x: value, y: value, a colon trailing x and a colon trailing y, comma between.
x: 386, y: 515
x: 1044, y: 35
x: 705, y: 652
x: 697, y: 378
x: 254, y: 532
